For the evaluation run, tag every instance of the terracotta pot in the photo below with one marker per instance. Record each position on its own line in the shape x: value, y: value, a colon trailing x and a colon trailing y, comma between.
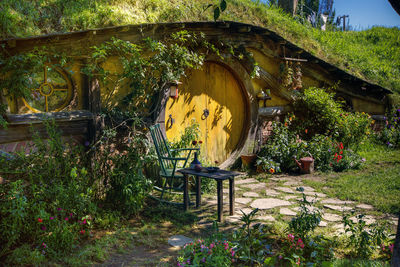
x: 248, y: 160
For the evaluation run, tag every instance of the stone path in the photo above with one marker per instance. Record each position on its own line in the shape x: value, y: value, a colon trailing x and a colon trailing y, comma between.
x: 278, y: 199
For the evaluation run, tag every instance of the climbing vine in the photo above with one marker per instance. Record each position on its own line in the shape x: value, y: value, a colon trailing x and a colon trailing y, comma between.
x: 146, y: 68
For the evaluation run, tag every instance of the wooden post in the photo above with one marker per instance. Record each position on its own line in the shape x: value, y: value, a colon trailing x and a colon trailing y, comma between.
x: 396, y: 249
x: 185, y: 193
x: 220, y: 200
x: 231, y: 195
x: 198, y: 191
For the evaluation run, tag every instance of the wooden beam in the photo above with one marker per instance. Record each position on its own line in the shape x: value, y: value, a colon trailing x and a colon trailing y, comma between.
x: 295, y: 59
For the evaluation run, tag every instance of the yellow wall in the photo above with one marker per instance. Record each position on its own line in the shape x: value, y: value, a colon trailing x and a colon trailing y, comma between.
x: 368, y: 107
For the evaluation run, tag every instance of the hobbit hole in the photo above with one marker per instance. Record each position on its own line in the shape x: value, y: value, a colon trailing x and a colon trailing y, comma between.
x: 222, y: 96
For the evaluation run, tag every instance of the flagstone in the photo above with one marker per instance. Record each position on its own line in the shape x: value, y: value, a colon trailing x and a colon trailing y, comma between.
x: 321, y: 195
x: 338, y: 208
x: 286, y: 211
x: 246, y: 181
x: 337, y: 201
x: 289, y: 197
x: 254, y: 186
x: 269, y: 203
x: 179, y: 240
x: 242, y: 200
x: 251, y: 194
x: 323, y: 224
x: 331, y: 217
x: 365, y: 206
x: 285, y: 190
x: 271, y: 192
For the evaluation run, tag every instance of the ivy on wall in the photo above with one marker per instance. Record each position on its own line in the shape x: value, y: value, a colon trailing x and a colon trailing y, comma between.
x: 147, y: 67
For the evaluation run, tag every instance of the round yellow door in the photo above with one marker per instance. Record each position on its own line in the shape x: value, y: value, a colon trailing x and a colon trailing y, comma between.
x: 213, y: 98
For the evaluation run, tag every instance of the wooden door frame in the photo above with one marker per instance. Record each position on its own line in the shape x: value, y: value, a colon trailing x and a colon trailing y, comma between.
x: 243, y: 79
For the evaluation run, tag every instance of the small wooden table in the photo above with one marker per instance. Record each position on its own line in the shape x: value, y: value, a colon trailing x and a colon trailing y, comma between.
x: 219, y: 176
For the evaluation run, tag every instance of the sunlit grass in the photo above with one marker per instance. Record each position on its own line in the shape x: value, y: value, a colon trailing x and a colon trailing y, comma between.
x: 373, y: 54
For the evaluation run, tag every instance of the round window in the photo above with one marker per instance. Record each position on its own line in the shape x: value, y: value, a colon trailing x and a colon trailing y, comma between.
x: 53, y: 90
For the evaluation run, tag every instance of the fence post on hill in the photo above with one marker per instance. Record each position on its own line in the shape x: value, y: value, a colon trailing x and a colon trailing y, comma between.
x: 396, y: 249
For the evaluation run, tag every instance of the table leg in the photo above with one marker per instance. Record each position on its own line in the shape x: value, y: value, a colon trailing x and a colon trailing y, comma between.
x: 198, y: 191
x: 220, y: 200
x: 185, y: 193
x: 231, y: 195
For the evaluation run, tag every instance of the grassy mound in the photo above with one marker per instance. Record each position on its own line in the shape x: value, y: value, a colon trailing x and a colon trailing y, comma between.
x: 372, y: 54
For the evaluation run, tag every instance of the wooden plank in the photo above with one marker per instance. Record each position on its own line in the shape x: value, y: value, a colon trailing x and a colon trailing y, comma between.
x: 21, y: 132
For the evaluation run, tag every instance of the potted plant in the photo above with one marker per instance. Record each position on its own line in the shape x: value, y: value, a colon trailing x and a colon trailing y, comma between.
x: 249, y: 157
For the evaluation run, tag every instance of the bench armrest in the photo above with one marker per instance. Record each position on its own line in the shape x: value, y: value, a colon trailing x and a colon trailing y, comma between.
x: 172, y: 158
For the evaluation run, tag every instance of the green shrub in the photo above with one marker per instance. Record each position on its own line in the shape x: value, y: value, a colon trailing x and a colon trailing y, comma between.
x: 282, y: 147
x: 390, y: 135
x: 363, y: 239
x: 320, y: 114
x: 119, y: 160
x: 251, y: 241
x: 214, y: 251
x: 307, y: 219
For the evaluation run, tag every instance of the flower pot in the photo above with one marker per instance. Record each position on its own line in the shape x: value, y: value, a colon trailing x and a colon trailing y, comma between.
x: 248, y: 160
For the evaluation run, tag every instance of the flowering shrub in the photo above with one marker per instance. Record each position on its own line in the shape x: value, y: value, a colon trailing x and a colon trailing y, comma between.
x: 390, y: 135
x: 212, y: 252
x: 311, y: 251
x: 281, y: 148
x: 251, y: 241
x: 306, y: 220
x: 363, y: 239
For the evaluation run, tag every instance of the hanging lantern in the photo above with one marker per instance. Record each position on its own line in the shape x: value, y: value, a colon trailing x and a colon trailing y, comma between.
x: 262, y: 97
x: 173, y: 89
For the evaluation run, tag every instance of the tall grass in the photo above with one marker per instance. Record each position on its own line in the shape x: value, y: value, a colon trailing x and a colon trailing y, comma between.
x: 372, y: 54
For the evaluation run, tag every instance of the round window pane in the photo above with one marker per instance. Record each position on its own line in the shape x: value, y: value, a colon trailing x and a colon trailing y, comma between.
x: 53, y: 90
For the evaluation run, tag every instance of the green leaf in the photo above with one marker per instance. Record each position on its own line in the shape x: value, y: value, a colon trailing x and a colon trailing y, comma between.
x: 223, y: 5
x: 216, y: 13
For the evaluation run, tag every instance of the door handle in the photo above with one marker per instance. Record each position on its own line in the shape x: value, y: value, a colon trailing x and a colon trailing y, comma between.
x: 206, y: 113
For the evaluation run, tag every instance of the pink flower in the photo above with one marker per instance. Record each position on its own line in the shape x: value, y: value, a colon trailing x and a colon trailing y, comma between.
x: 51, y: 218
x: 280, y: 257
x: 291, y: 237
x: 44, y: 245
x: 212, y: 245
x: 44, y: 228
x: 300, y: 243
x: 66, y: 218
x: 391, y: 246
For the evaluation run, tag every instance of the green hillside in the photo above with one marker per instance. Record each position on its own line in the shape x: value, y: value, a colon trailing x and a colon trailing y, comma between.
x: 372, y: 54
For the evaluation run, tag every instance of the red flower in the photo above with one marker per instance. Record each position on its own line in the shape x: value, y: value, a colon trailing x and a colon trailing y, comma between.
x: 200, y: 142
x: 341, y: 152
x: 341, y: 145
x: 335, y: 156
x: 306, y: 130
x: 40, y: 220
x: 82, y: 232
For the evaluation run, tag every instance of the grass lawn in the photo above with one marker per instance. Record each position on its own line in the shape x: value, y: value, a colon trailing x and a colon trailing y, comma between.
x: 377, y: 183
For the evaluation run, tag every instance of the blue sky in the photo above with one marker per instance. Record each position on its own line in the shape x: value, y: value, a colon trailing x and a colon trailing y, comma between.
x: 367, y: 13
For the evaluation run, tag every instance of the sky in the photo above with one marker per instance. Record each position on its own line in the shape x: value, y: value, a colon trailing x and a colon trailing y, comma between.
x: 367, y: 13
